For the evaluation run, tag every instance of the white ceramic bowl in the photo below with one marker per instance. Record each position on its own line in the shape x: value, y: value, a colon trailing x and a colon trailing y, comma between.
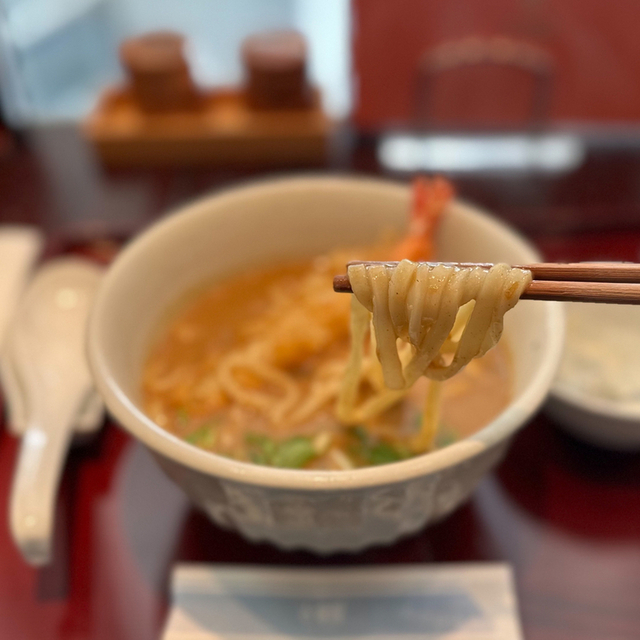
x: 612, y: 423
x: 604, y: 423
x: 277, y: 220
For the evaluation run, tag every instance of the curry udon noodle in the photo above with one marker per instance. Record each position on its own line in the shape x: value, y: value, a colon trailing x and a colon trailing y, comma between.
x: 261, y: 367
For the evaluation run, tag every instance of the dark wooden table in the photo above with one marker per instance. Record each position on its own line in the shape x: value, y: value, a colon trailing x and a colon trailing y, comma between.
x: 564, y: 514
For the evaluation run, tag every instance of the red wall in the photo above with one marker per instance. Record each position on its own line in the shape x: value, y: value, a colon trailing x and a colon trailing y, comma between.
x: 595, y: 45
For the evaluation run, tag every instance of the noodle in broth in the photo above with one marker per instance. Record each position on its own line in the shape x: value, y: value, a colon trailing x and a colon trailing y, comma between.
x: 223, y: 373
x: 259, y: 367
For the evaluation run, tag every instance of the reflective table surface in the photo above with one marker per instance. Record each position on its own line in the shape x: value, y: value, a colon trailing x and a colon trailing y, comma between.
x: 564, y: 514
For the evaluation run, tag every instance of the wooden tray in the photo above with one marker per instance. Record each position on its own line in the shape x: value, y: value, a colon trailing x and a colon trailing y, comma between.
x: 224, y: 130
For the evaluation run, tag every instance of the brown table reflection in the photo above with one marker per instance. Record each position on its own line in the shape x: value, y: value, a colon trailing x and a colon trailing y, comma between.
x: 564, y: 514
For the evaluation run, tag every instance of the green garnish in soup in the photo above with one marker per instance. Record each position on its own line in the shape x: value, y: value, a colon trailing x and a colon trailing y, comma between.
x: 252, y: 367
x: 204, y: 357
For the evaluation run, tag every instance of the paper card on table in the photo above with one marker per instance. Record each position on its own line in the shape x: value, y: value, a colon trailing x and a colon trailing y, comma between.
x: 456, y: 602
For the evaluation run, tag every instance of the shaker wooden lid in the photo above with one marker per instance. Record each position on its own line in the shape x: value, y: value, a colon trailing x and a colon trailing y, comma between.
x: 275, y: 50
x: 156, y: 52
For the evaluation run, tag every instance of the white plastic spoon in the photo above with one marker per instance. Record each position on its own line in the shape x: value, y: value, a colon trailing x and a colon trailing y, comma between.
x: 46, y: 343
x: 20, y: 248
x: 88, y: 419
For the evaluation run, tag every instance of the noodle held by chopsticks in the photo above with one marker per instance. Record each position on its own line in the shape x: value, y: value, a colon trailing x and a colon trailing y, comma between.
x: 418, y: 304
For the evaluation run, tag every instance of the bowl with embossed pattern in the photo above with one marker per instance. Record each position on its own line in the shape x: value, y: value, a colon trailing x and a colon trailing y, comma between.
x: 321, y: 511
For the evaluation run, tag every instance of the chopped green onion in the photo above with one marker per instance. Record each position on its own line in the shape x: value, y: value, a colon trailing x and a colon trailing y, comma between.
x: 294, y: 453
x: 360, y: 433
x: 261, y: 448
x: 204, y: 436
x: 257, y: 457
x: 384, y: 453
x: 373, y: 452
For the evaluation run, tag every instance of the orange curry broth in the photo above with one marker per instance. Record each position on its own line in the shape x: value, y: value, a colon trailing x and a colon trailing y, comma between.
x: 181, y: 394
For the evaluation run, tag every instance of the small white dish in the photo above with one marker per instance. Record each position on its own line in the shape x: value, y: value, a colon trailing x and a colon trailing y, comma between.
x: 596, y: 394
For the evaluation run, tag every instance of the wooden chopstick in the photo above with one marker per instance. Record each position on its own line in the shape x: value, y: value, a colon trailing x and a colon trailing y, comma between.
x: 606, y: 282
x: 571, y: 271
